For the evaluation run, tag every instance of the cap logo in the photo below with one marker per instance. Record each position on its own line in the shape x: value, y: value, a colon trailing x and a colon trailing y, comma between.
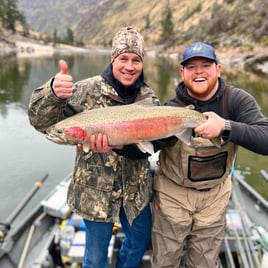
x: 197, y: 47
x: 199, y: 50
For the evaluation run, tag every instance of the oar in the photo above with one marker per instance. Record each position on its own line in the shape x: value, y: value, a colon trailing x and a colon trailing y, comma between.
x: 18, y: 209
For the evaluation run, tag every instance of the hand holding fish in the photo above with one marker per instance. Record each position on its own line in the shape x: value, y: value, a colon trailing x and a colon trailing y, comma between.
x: 63, y: 82
x: 212, y: 127
x: 99, y: 143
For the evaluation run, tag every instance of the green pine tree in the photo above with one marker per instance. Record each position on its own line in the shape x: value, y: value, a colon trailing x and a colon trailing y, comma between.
x: 10, y: 15
x: 167, y: 35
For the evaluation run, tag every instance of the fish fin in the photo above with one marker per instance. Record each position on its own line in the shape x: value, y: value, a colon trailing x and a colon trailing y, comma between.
x: 216, y: 141
x: 86, y: 146
x: 191, y: 107
x: 185, y: 135
x: 144, y: 102
x: 146, y: 147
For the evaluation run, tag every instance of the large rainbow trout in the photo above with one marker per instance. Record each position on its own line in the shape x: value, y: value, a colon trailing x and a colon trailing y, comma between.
x: 128, y: 124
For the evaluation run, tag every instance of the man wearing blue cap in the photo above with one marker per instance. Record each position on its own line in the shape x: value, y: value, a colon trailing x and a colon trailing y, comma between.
x: 193, y: 182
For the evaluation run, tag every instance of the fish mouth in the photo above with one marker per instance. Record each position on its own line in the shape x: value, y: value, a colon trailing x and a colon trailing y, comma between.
x: 54, y: 138
x: 59, y: 139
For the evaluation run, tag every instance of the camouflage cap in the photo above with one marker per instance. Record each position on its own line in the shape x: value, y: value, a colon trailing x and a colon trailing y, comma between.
x: 127, y: 39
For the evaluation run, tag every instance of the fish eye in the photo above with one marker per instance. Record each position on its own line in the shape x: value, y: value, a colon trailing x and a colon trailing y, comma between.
x: 59, y: 131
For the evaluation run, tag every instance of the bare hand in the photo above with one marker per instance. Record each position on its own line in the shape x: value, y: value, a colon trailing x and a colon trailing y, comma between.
x: 212, y: 127
x: 63, y: 82
x: 100, y: 143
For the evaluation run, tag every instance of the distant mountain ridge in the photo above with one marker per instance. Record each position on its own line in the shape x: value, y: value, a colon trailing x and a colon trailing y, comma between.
x: 46, y: 16
x: 237, y: 23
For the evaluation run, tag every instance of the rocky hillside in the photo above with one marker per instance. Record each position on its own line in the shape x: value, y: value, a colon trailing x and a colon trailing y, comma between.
x: 235, y: 23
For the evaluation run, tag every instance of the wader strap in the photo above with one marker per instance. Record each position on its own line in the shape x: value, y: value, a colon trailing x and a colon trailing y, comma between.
x: 227, y: 116
x: 225, y: 103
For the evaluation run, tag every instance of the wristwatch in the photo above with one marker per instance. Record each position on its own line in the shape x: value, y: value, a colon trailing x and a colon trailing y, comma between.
x: 226, y: 131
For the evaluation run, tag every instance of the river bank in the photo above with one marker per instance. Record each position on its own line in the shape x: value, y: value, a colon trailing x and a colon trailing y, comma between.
x: 254, y: 59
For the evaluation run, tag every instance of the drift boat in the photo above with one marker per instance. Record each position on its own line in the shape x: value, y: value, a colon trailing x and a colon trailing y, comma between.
x: 52, y: 236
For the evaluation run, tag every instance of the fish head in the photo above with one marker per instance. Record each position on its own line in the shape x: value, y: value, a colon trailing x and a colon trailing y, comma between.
x: 66, y: 135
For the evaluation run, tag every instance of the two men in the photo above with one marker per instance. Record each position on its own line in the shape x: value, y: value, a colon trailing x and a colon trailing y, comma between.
x: 193, y: 183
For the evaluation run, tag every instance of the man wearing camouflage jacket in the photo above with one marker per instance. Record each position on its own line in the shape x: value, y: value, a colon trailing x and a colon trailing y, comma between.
x: 105, y: 187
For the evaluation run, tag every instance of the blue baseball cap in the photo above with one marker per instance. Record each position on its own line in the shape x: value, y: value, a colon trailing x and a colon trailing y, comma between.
x: 199, y: 49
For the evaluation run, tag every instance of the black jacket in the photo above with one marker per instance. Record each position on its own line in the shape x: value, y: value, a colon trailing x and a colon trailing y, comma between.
x: 249, y: 125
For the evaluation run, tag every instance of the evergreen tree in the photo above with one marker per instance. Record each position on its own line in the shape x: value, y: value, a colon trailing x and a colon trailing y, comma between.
x: 10, y: 15
x: 55, y: 37
x: 70, y: 37
x: 167, y: 35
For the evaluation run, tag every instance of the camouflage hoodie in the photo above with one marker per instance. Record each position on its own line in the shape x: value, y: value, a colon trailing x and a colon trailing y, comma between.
x: 101, y: 182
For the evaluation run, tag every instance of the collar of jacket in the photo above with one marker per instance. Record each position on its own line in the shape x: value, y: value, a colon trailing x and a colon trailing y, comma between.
x: 213, y: 104
x: 127, y: 94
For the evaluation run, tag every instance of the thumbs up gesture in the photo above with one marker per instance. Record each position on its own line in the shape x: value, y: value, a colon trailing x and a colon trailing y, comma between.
x: 63, y: 82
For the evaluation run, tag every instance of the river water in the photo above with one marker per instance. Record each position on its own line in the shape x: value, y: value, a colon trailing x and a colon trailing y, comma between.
x: 26, y: 156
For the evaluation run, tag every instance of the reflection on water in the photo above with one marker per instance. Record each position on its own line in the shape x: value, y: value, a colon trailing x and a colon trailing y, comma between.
x: 26, y: 155
x: 256, y: 85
